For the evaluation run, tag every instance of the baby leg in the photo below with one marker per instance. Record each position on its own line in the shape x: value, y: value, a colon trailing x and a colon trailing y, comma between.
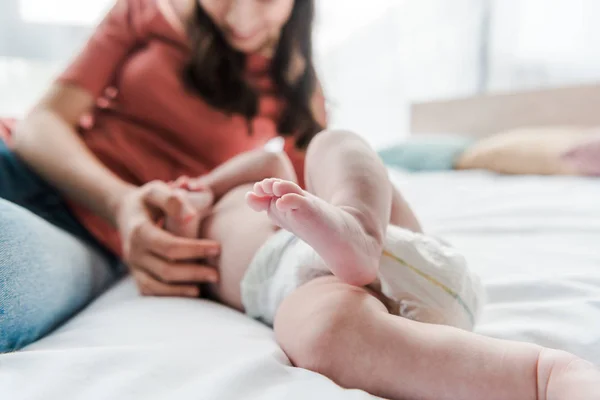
x: 343, y: 159
x: 243, y: 169
x: 344, y: 333
x: 346, y: 216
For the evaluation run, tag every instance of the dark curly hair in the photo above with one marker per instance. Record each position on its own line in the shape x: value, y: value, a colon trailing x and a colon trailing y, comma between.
x: 216, y: 72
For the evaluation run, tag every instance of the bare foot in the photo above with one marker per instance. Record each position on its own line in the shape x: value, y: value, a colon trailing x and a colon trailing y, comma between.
x: 188, y: 225
x: 562, y: 376
x: 337, y: 234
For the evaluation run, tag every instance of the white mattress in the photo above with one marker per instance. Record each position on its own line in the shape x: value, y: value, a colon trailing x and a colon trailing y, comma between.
x: 533, y: 240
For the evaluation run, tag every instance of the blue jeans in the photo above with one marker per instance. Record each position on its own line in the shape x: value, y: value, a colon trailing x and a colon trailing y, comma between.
x: 50, y: 266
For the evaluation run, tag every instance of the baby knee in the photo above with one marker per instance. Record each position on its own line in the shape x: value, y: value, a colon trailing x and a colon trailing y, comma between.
x: 318, y: 323
x: 334, y: 137
x: 311, y: 344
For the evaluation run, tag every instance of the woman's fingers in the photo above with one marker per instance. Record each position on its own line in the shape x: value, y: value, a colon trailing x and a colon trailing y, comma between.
x: 161, y: 262
x: 171, y: 201
x: 171, y: 247
x: 150, y: 286
x: 168, y: 272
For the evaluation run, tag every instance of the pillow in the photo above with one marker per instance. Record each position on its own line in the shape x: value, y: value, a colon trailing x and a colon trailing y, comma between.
x: 585, y: 157
x: 426, y: 152
x: 527, y: 151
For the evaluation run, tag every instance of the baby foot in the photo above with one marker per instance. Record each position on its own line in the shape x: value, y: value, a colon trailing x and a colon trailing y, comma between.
x: 336, y: 234
x: 188, y: 223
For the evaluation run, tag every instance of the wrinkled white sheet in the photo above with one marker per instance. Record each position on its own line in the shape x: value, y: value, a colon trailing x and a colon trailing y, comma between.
x: 533, y: 240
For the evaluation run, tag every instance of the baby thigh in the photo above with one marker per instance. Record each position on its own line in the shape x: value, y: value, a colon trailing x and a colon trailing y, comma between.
x: 346, y: 334
x: 241, y: 233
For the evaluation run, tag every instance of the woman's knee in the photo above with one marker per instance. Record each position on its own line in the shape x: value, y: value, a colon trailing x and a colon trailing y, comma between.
x: 45, y: 275
x: 320, y: 321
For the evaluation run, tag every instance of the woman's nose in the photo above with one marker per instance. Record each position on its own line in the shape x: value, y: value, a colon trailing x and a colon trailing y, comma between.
x: 240, y: 15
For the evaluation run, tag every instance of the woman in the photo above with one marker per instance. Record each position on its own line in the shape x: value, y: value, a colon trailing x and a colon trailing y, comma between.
x: 150, y: 125
x: 163, y: 88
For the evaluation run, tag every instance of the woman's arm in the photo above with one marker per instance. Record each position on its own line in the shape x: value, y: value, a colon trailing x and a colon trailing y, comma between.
x: 47, y: 141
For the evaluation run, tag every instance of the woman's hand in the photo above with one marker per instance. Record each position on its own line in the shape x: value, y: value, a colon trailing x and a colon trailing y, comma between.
x: 197, y: 184
x: 162, y: 264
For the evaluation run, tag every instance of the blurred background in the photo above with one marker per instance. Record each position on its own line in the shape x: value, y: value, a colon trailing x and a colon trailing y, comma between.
x: 375, y: 57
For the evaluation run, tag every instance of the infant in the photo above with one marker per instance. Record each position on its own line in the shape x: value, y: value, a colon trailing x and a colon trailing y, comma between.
x: 265, y: 257
x: 342, y: 269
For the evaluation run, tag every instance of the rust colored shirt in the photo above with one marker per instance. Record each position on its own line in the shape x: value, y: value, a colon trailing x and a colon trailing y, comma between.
x: 147, y: 125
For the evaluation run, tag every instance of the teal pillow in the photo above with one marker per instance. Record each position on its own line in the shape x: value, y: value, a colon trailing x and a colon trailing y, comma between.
x: 426, y: 152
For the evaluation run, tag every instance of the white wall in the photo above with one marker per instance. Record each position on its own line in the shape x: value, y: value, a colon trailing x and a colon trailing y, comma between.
x: 69, y: 12
x: 542, y: 43
x: 398, y: 51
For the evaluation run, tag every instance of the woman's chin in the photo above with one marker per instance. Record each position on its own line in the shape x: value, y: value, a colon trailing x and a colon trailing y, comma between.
x: 250, y: 46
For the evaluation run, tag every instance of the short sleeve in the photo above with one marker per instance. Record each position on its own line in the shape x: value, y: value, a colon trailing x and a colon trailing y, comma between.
x: 95, y: 67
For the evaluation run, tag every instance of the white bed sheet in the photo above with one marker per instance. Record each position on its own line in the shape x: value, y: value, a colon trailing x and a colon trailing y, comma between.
x: 533, y: 240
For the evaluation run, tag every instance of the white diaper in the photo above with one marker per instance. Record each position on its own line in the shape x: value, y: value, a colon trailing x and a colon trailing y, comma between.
x: 420, y: 278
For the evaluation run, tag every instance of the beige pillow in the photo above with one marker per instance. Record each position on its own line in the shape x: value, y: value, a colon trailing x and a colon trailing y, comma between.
x: 527, y: 151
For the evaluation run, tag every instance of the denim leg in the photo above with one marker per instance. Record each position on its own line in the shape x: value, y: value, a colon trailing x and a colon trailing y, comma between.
x: 22, y: 186
x: 46, y: 276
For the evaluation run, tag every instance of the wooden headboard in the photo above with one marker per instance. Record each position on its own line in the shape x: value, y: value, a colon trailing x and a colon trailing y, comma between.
x: 485, y: 115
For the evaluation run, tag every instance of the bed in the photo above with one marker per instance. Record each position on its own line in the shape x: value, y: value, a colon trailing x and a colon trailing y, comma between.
x: 532, y: 239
